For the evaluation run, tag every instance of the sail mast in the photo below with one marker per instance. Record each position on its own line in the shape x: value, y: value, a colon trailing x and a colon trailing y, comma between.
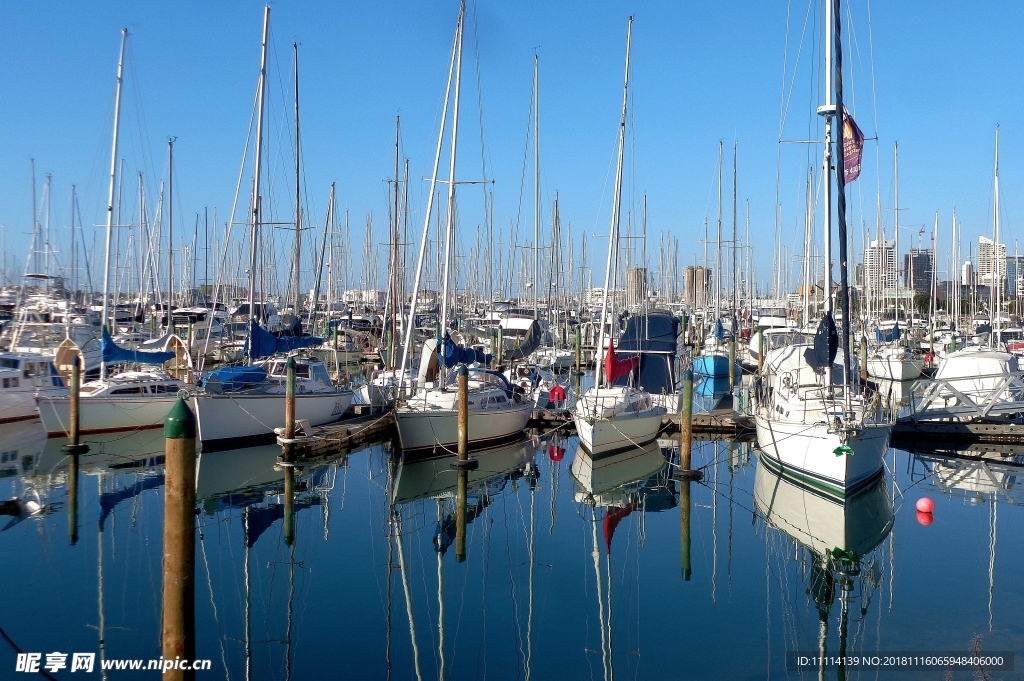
x: 841, y: 205
x: 449, y: 245
x: 257, y: 161
x: 298, y: 198
x: 113, y: 186
x: 616, y: 210
x: 536, y: 187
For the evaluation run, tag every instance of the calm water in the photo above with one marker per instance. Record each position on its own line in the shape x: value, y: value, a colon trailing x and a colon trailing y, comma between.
x: 573, y: 568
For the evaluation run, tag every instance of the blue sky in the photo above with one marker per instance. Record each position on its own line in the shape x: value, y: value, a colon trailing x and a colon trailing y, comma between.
x: 945, y: 74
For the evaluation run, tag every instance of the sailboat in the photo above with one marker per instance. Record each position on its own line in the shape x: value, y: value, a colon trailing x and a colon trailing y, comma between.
x: 428, y: 420
x: 242, y: 405
x: 813, y: 422
x: 132, y: 399
x: 611, y: 417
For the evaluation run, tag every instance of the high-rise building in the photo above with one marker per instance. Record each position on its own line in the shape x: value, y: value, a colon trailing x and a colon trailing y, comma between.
x: 917, y: 270
x: 1014, y: 275
x: 991, y: 262
x: 880, y: 268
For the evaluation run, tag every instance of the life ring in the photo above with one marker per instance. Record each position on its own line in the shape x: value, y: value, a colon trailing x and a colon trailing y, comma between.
x: 557, y: 394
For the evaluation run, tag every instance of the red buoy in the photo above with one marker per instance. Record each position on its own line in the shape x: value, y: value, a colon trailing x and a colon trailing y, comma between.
x: 557, y: 394
x: 925, y: 505
x: 925, y: 518
x: 556, y: 453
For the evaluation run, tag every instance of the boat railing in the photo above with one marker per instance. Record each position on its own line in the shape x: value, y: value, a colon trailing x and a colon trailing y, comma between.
x: 969, y: 398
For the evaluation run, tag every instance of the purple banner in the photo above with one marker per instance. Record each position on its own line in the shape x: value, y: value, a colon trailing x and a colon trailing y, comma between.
x: 853, y: 147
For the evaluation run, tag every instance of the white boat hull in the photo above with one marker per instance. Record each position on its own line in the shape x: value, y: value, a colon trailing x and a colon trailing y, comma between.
x: 227, y: 421
x: 620, y: 432
x: 104, y: 414
x: 807, y: 453
x: 17, y: 405
x: 437, y: 429
x: 894, y: 369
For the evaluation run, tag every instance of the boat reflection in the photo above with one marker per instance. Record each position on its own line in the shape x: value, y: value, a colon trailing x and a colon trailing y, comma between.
x: 613, y: 488
x: 835, y: 539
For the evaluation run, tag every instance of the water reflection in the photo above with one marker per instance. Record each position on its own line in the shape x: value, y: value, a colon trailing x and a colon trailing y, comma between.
x: 835, y: 542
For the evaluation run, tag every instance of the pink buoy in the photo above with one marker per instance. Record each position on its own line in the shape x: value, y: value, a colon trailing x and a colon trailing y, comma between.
x: 925, y: 505
x: 924, y: 518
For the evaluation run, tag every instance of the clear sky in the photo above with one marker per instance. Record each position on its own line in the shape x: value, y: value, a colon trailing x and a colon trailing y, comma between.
x: 945, y: 74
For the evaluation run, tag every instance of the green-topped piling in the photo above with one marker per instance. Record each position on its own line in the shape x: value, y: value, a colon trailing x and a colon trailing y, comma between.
x: 178, y: 625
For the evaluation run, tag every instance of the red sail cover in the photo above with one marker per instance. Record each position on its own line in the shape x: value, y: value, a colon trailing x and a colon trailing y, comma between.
x: 612, y: 519
x: 614, y: 368
x: 853, y: 147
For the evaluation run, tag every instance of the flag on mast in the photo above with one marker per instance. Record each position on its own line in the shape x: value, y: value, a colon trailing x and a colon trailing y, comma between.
x: 853, y: 147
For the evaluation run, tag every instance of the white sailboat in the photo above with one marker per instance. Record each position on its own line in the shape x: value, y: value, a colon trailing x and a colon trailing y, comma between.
x: 427, y: 421
x: 242, y: 406
x: 612, y: 418
x: 813, y: 423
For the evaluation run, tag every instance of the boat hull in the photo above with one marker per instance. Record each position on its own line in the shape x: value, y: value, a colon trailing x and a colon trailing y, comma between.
x: 104, y: 414
x: 227, y: 421
x: 425, y: 431
x: 715, y: 366
x: 806, y: 453
x: 894, y: 369
x: 17, y: 405
x: 621, y: 432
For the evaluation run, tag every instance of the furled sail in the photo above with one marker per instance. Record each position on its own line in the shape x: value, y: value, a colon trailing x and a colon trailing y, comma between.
x: 614, y: 368
x: 261, y: 343
x: 114, y: 354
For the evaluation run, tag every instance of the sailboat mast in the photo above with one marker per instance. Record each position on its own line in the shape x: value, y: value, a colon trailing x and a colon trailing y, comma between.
x: 254, y: 226
x: 298, y: 197
x: 718, y: 252
x: 449, y: 245
x: 735, y: 243
x: 997, y: 274
x: 844, y: 284
x: 394, y: 252
x: 170, y: 229
x: 112, y: 188
x: 430, y: 204
x: 536, y: 187
x: 616, y: 209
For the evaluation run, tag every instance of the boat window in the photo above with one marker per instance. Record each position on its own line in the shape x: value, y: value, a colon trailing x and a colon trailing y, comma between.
x: 8, y: 363
x: 30, y: 369
x: 320, y: 374
x: 15, y: 382
x: 7, y: 383
x: 133, y: 390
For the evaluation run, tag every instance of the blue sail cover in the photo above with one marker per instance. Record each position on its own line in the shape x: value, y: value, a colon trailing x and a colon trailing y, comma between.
x: 892, y: 335
x: 235, y: 378
x: 261, y: 343
x: 719, y: 330
x: 452, y: 355
x: 113, y: 354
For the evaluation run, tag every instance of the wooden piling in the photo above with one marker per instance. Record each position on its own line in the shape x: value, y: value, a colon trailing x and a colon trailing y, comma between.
x: 579, y: 350
x: 178, y: 625
x: 74, y: 445
x: 463, y: 413
x: 863, y: 358
x: 289, y: 400
x: 732, y: 362
x: 686, y: 430
x: 760, y: 352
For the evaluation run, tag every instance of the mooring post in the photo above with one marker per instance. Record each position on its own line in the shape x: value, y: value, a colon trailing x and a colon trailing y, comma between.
x: 686, y: 430
x: 863, y: 358
x: 462, y: 459
x: 760, y: 352
x: 74, y: 445
x: 579, y: 350
x: 178, y: 626
x: 289, y: 401
x: 732, y: 362
x: 500, y: 354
